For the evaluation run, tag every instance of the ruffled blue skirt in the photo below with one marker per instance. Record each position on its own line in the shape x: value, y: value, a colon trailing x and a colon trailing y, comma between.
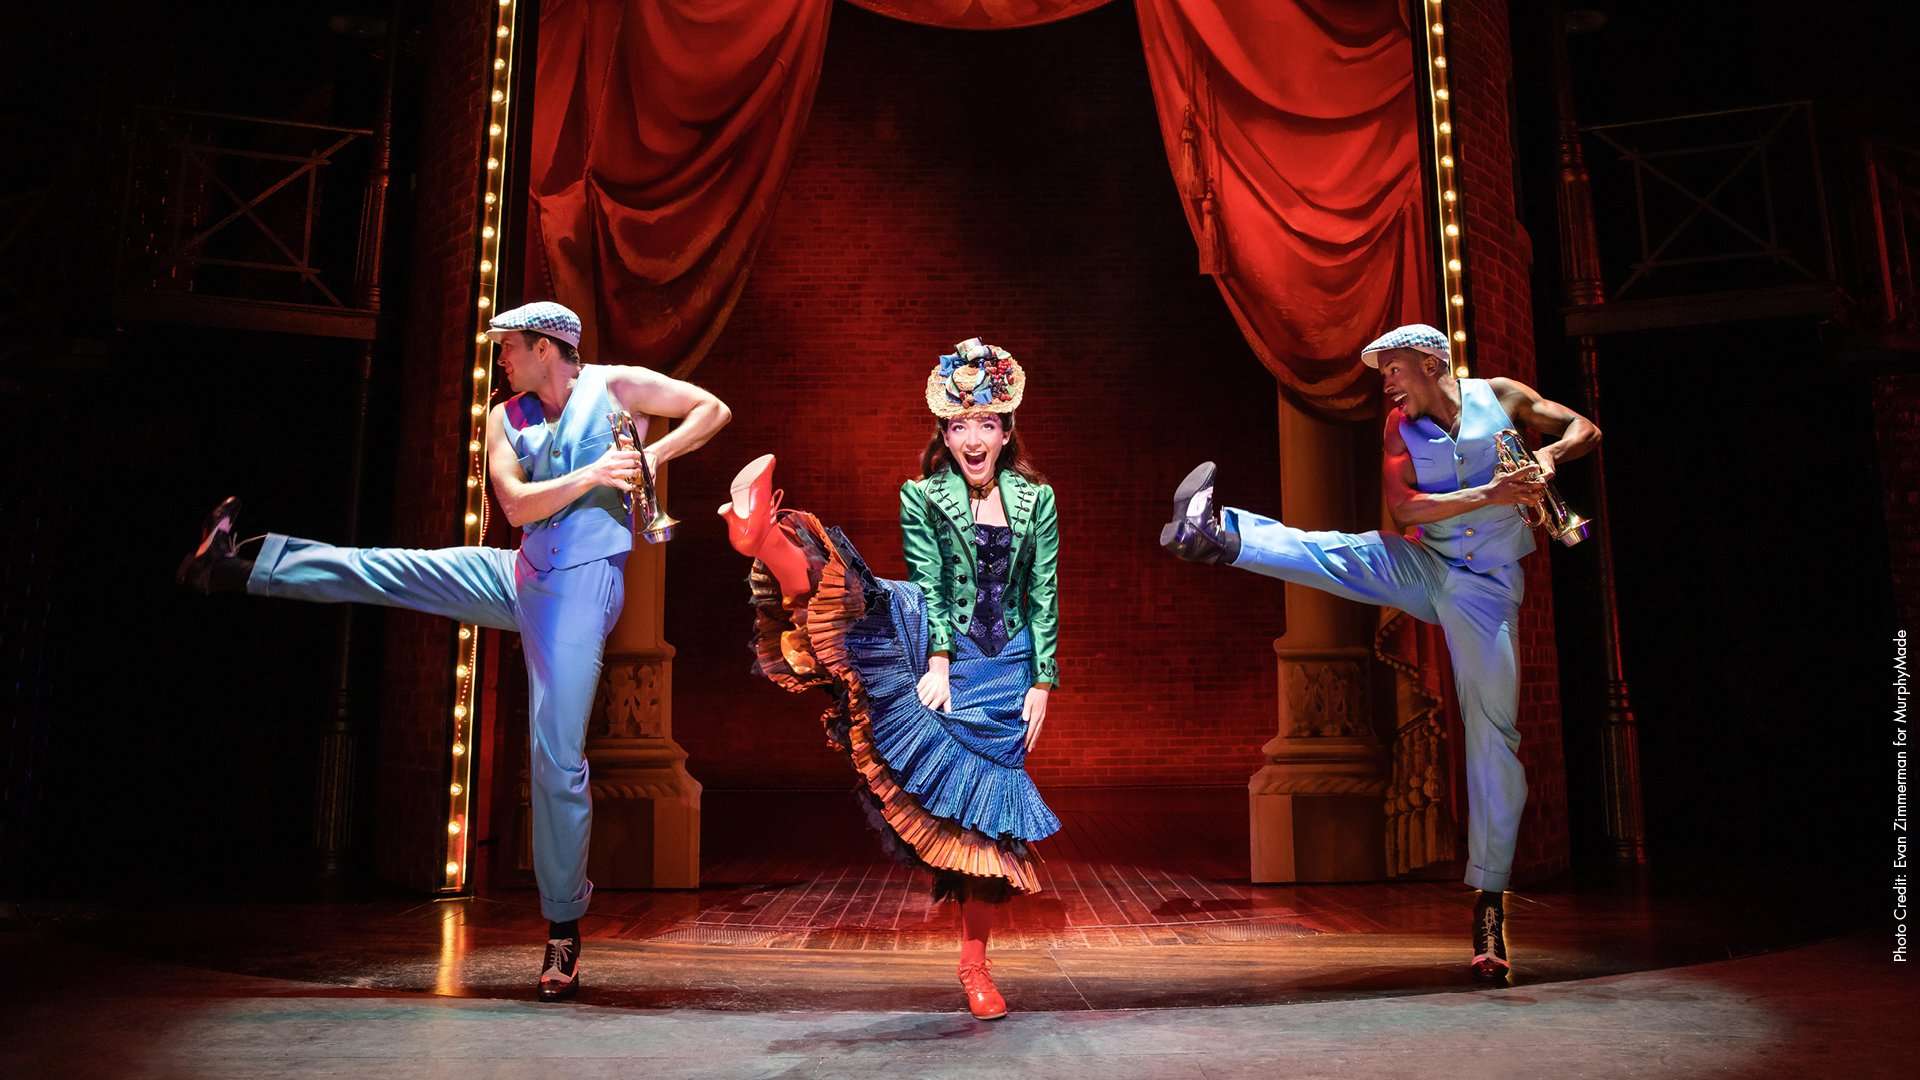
x: 947, y: 789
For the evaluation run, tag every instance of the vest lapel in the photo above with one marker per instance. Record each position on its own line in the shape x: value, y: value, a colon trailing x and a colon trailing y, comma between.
x: 948, y: 490
x: 1018, y: 495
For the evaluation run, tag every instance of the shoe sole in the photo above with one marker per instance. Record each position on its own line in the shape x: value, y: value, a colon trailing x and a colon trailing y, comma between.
x: 1200, y: 479
x: 995, y: 1016
x: 563, y: 994
x: 221, y: 518
x: 1491, y: 972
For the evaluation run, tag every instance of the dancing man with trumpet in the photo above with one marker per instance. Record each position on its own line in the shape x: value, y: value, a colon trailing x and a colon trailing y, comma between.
x: 1442, y: 475
x: 566, y: 477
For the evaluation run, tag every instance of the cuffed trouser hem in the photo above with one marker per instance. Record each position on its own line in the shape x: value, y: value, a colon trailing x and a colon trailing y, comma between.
x: 1488, y: 880
x: 260, y: 581
x: 566, y: 910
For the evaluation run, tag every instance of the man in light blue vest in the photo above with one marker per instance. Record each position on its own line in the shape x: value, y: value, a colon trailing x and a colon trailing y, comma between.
x: 1462, y: 573
x: 560, y: 476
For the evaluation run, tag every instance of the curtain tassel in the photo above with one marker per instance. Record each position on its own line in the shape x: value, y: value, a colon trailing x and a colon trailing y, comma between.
x: 1213, y: 256
x: 1190, y: 157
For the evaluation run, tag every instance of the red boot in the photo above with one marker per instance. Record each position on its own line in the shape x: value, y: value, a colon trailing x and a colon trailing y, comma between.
x: 983, y: 998
x: 751, y: 528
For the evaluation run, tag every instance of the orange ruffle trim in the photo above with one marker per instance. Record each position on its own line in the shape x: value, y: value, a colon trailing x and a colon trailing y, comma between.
x: 802, y: 644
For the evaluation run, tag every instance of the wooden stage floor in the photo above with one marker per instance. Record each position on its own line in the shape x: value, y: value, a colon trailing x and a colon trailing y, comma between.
x: 1146, y: 904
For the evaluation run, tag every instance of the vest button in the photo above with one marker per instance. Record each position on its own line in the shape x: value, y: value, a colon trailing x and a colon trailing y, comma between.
x: 556, y: 451
x: 1469, y: 556
x: 1469, y: 532
x: 556, y: 551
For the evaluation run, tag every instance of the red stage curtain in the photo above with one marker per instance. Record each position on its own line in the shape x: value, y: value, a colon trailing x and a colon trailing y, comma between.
x: 980, y: 14
x: 662, y: 133
x: 1291, y: 128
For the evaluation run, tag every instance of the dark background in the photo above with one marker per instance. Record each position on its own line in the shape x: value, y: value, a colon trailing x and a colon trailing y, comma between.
x: 159, y: 743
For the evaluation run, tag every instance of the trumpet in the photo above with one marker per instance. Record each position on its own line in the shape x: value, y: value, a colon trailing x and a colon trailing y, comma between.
x: 657, y: 527
x: 1551, y: 513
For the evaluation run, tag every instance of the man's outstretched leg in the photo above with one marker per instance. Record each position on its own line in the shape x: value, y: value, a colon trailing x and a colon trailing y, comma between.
x: 467, y: 584
x: 1367, y: 568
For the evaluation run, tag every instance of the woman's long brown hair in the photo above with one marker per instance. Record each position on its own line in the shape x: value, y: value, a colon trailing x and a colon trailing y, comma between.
x: 937, y: 458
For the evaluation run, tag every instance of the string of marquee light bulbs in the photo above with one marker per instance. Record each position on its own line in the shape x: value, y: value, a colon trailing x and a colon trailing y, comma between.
x: 1452, y: 246
x: 474, y: 516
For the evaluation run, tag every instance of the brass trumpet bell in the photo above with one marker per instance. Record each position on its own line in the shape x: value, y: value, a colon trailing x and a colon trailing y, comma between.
x: 1562, y: 522
x: 657, y: 525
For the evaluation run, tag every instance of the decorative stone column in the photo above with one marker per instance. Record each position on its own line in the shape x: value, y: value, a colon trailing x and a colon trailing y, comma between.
x: 1316, y: 807
x: 646, y: 807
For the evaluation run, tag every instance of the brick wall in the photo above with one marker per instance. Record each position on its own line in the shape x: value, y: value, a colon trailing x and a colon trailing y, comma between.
x: 429, y: 466
x: 1499, y: 259
x: 1032, y: 206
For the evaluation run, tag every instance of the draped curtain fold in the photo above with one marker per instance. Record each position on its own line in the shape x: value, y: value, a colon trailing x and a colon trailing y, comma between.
x: 1290, y: 128
x: 980, y: 14
x: 662, y: 133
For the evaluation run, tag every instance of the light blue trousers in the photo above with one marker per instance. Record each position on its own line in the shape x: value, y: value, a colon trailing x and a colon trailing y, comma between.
x: 563, y: 617
x: 1479, y: 613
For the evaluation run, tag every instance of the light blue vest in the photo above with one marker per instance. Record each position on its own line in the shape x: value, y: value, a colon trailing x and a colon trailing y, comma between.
x: 1492, y: 536
x: 597, y: 524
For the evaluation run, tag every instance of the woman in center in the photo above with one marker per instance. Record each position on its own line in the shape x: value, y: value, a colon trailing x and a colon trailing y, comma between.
x: 940, y: 682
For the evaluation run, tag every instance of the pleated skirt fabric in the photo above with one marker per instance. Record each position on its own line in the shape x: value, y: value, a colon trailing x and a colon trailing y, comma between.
x: 946, y: 789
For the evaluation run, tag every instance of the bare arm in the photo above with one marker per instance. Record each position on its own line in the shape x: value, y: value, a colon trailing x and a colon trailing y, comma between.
x: 1577, y: 434
x: 1410, y: 506
x: 643, y: 391
x: 524, y: 500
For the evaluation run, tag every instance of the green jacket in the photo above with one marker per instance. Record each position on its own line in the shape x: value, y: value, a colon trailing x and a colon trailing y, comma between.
x: 936, y: 524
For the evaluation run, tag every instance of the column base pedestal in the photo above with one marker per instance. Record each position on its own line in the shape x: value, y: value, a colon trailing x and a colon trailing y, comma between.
x: 1319, y: 814
x: 646, y: 819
